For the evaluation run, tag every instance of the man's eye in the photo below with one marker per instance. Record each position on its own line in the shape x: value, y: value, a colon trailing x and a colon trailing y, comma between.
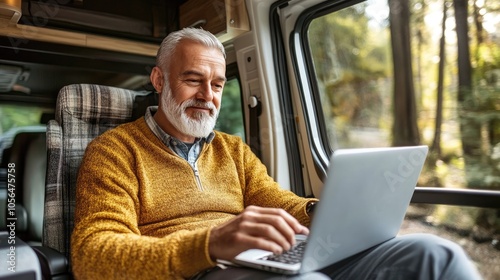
x: 217, y: 88
x: 193, y: 82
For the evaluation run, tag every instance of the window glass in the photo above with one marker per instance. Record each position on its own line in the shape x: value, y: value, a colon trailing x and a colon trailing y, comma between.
x: 18, y: 116
x: 231, y: 114
x: 374, y: 93
x: 15, y: 119
x: 351, y: 59
x: 429, y: 78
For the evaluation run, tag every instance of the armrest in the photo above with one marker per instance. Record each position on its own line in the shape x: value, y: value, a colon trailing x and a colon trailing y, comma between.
x: 53, y: 263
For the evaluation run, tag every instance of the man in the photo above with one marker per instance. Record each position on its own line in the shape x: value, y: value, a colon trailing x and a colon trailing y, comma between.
x: 165, y: 196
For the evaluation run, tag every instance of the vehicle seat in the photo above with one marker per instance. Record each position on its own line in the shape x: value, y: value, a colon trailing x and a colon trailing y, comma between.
x: 83, y: 111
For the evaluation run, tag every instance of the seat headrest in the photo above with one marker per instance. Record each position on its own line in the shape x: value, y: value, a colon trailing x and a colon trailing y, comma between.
x: 96, y: 103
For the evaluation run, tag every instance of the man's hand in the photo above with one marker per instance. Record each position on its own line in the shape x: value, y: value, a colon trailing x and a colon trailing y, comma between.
x: 268, y: 229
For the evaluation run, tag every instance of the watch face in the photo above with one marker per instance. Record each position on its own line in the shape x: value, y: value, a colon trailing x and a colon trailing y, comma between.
x: 310, y: 207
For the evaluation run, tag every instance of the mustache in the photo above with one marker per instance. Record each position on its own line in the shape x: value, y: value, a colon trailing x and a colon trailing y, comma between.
x: 200, y: 104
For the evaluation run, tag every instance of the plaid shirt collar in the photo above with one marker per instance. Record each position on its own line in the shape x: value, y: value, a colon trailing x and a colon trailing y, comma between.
x: 187, y: 151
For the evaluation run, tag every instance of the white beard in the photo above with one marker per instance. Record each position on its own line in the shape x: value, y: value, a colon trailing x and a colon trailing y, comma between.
x: 199, y: 125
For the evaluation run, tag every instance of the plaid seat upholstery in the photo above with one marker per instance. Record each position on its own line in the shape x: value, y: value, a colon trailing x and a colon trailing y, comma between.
x: 83, y: 111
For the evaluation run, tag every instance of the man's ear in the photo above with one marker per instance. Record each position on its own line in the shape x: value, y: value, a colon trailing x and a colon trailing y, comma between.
x: 156, y: 78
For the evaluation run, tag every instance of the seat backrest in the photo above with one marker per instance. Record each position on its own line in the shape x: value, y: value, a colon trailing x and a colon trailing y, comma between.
x: 34, y: 187
x: 83, y: 111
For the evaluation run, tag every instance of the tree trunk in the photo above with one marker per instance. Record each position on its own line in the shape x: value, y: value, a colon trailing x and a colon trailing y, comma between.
x: 405, y: 129
x: 470, y: 128
x: 478, y: 22
x: 436, y: 143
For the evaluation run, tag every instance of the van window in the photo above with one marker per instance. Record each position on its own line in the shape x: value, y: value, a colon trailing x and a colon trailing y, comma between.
x: 352, y: 64
x: 364, y: 106
x: 16, y: 119
x: 231, y: 114
x: 17, y: 116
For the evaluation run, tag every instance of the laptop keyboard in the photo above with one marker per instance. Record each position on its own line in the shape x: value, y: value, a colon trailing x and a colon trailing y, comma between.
x: 292, y: 256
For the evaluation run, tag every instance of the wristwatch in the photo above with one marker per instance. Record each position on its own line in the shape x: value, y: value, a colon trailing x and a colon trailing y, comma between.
x: 310, y: 207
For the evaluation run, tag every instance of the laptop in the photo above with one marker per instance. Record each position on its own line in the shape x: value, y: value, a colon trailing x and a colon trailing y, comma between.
x: 362, y: 203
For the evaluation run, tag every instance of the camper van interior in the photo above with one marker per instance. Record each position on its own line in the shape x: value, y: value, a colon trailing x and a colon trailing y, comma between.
x: 304, y: 79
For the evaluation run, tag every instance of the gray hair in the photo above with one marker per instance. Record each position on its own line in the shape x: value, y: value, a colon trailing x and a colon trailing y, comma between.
x: 167, y: 47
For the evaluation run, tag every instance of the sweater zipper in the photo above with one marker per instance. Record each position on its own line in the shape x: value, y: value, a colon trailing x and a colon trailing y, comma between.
x: 197, y: 176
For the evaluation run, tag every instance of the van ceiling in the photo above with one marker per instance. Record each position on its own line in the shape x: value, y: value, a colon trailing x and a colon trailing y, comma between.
x: 47, y: 67
x: 144, y: 20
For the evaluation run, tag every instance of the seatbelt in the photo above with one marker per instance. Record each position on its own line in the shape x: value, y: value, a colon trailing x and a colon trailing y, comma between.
x: 255, y: 107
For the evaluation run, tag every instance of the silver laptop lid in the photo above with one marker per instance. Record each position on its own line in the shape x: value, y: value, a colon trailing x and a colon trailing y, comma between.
x: 363, y: 202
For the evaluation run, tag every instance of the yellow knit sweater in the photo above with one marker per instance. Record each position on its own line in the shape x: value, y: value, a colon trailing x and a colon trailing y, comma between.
x: 141, y: 215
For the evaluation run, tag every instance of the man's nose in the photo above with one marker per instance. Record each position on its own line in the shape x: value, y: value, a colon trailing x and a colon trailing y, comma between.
x: 205, y: 92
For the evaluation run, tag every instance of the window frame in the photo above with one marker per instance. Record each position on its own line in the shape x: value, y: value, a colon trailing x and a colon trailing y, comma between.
x: 286, y: 103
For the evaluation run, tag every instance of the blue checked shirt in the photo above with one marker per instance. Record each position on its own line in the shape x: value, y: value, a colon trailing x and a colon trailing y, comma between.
x: 189, y: 152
